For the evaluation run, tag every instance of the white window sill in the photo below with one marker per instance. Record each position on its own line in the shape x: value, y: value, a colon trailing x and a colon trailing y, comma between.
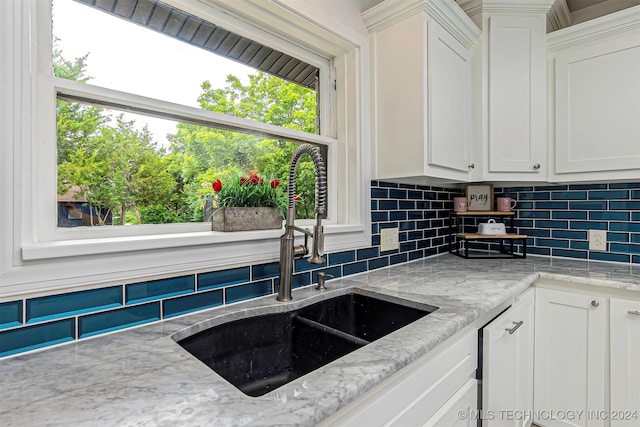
x: 338, y: 237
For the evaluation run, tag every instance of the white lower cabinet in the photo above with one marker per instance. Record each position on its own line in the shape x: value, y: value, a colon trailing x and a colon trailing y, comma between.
x: 431, y: 391
x: 625, y: 362
x: 507, y: 365
x: 570, y: 358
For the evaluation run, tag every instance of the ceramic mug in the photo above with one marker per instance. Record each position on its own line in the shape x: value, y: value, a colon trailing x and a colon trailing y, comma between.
x: 506, y: 204
x: 460, y: 204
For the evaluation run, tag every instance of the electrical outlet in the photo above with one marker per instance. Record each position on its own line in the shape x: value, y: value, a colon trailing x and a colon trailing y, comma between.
x: 389, y: 239
x: 597, y: 240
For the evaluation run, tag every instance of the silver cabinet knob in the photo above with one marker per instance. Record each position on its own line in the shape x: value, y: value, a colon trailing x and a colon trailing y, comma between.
x: 634, y: 312
x: 471, y: 166
x: 536, y: 166
x: 595, y: 303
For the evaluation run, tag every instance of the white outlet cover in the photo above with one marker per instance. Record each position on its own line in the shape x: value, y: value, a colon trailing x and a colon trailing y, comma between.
x: 389, y: 239
x: 597, y: 240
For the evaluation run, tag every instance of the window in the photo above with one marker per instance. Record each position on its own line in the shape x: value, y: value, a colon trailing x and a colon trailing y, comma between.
x: 41, y: 256
x: 136, y: 169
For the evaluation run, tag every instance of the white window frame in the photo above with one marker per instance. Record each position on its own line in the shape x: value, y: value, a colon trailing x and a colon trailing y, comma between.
x: 43, y: 257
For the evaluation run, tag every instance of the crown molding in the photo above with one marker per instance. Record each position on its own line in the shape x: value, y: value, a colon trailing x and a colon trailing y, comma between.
x: 559, y: 16
x: 446, y: 13
x: 520, y: 7
x: 626, y: 21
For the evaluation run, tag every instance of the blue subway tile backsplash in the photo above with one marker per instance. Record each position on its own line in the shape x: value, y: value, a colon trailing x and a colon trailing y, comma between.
x: 10, y: 314
x: 156, y: 289
x: 69, y: 304
x: 218, y: 279
x: 613, y: 208
x: 120, y: 318
x: 36, y: 336
x: 557, y: 219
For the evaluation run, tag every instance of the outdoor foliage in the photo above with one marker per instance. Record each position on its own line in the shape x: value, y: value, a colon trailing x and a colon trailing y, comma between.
x: 122, y: 171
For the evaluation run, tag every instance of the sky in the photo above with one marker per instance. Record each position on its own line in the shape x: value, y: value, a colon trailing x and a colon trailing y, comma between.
x: 130, y: 58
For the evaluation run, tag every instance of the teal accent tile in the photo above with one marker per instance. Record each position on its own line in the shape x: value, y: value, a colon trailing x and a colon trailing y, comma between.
x: 379, y: 193
x: 569, y: 215
x: 379, y: 216
x: 536, y: 232
x: 36, y: 336
x: 217, y: 279
x: 569, y: 195
x: 266, y: 271
x: 624, y: 226
x: 551, y: 224
x: 388, y: 205
x: 588, y: 206
x: 357, y: 267
x: 619, y: 237
x: 412, y: 256
x: 534, y: 196
x: 588, y: 187
x: 550, y: 205
x: 609, y: 216
x: 552, y: 243
x: 370, y: 252
x: 636, y: 259
x: 614, y: 185
x: 535, y: 214
x: 635, y: 194
x: 635, y: 216
x: 569, y: 253
x: 625, y: 206
x: 378, y: 263
x: 397, y: 259
x: 605, y: 256
x: 120, y: 318
x: 624, y: 248
x: 251, y: 290
x: 187, y: 304
x: 538, y: 251
x: 10, y: 314
x: 580, y: 244
x: 157, y: 289
x: 588, y: 225
x: 635, y: 238
x: 73, y: 303
x: 608, y: 194
x: 566, y: 234
x: 550, y: 187
x: 342, y: 257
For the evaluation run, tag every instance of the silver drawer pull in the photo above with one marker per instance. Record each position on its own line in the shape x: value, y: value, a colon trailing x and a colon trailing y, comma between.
x: 634, y: 313
x: 515, y: 328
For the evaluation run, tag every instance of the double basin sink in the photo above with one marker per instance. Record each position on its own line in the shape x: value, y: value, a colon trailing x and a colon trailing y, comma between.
x: 259, y: 354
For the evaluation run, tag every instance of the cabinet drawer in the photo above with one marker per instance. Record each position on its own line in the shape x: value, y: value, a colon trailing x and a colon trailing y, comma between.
x: 416, y: 392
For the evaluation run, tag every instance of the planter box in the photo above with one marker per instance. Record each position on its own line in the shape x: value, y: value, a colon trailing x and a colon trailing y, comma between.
x: 245, y: 219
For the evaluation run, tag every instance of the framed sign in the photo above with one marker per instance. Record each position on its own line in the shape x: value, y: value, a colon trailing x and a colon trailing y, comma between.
x: 480, y: 197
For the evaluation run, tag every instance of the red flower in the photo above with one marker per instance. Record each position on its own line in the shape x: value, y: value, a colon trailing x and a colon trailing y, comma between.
x: 274, y: 183
x: 297, y: 197
x: 242, y: 180
x: 217, y: 185
x: 255, y: 179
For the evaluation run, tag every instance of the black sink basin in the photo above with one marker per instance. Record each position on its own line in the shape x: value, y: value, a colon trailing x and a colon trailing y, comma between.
x: 261, y: 353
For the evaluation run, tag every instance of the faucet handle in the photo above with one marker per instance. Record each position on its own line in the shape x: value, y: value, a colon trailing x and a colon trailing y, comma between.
x: 322, y: 277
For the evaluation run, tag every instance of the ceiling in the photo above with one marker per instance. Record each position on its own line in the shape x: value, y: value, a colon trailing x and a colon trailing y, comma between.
x: 579, y: 10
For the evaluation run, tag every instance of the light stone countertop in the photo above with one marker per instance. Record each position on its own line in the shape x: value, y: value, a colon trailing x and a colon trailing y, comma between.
x: 141, y: 377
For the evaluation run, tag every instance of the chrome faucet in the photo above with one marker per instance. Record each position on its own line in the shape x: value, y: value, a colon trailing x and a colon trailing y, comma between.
x: 288, y: 251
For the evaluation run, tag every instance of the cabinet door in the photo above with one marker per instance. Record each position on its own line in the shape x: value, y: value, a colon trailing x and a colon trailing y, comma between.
x: 597, y: 107
x: 625, y: 362
x: 507, y: 365
x: 517, y: 87
x: 570, y: 356
x: 459, y: 411
x: 449, y: 101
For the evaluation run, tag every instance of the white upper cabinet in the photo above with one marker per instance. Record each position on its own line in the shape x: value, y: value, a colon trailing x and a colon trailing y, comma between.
x: 594, y: 69
x: 421, y: 85
x: 514, y: 83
